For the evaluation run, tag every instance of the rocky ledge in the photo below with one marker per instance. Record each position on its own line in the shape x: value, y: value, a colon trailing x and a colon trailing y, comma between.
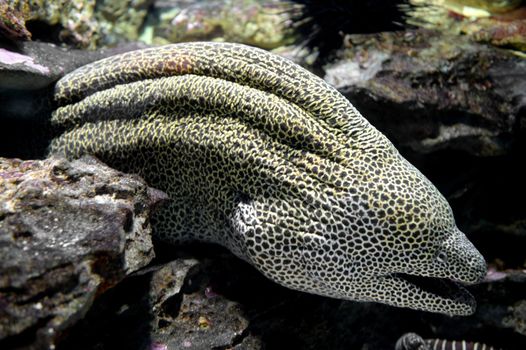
x: 68, y: 232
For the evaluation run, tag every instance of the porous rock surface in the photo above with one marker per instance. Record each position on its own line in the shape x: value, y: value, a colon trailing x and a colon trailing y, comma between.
x: 173, y: 305
x: 429, y: 91
x: 68, y: 231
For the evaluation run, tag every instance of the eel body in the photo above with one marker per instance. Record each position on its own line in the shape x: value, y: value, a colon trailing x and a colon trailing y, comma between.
x: 263, y: 157
x: 413, y: 341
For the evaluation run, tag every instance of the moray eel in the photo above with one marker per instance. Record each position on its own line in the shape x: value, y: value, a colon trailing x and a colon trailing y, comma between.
x: 265, y: 158
x: 412, y: 341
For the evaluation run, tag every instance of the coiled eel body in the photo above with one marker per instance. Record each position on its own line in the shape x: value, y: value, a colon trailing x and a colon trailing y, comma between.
x: 263, y: 157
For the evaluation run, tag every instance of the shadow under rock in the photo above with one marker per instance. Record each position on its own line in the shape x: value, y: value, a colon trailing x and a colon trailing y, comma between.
x: 119, y: 319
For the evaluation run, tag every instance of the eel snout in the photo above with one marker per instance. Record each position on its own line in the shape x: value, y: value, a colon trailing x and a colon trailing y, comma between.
x: 464, y: 262
x: 437, y: 284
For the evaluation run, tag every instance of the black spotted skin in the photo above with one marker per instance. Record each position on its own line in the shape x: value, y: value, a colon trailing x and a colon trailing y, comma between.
x: 263, y: 157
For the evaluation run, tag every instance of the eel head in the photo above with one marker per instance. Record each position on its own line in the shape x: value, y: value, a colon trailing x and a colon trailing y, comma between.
x: 389, y: 238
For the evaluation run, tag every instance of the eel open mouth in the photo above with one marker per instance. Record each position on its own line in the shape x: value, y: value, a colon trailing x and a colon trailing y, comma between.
x: 432, y: 294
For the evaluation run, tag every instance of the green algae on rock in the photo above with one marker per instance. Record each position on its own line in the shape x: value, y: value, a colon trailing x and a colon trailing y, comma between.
x: 500, y: 23
x: 254, y: 22
x: 87, y: 23
x: 12, y: 23
x: 75, y: 17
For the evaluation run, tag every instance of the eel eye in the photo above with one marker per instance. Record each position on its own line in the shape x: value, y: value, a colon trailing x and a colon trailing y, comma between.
x: 441, y: 257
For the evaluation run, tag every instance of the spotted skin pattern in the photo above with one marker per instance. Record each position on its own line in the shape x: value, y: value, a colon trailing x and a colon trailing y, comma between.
x: 263, y: 157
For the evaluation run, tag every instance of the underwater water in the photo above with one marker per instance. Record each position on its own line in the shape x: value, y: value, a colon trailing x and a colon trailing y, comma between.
x: 209, y: 140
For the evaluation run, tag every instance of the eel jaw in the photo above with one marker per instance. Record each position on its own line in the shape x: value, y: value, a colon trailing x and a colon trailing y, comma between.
x: 429, y: 294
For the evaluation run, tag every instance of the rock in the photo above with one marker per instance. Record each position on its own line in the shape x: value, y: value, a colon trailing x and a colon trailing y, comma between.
x: 80, y: 23
x: 120, y: 21
x: 68, y: 232
x: 200, y: 318
x: 168, y: 306
x: 31, y: 65
x: 262, y: 23
x: 516, y: 319
x: 430, y: 92
x: 12, y: 23
x: 73, y: 20
x: 499, y: 23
